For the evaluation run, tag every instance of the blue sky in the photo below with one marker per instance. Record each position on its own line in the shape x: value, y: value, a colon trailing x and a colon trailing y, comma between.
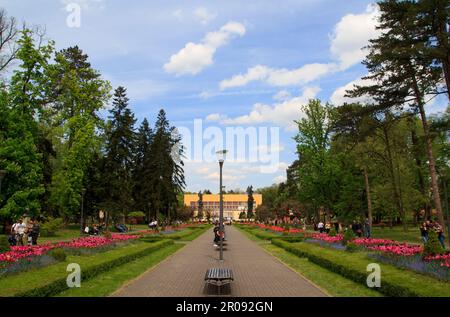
x: 229, y: 63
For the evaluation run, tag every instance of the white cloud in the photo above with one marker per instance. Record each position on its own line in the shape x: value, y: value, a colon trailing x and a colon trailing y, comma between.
x: 282, y: 114
x: 194, y: 57
x: 338, y: 97
x: 279, y: 77
x: 282, y: 95
x: 351, y: 34
x: 279, y: 179
x: 204, y: 16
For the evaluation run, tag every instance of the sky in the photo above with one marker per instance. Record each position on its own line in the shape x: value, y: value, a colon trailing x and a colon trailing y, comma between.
x: 246, y: 65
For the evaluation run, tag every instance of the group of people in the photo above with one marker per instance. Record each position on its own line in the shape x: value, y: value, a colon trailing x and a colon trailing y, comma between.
x: 430, y: 225
x: 95, y: 230
x: 24, y: 233
x: 358, y: 229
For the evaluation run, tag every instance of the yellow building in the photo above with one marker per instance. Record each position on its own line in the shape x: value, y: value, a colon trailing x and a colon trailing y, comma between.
x: 233, y: 204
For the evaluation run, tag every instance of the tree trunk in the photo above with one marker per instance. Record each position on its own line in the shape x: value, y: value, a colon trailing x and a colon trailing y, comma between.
x: 431, y: 160
x: 369, y: 200
x: 397, y: 196
x: 418, y: 161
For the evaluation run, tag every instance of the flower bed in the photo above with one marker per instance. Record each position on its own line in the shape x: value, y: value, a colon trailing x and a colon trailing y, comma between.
x: 32, y: 254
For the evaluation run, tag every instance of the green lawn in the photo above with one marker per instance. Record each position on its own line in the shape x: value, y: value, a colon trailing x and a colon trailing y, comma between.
x: 108, y: 282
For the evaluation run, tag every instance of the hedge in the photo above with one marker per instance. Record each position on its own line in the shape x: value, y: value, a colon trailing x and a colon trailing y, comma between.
x: 394, y: 281
x: 186, y: 235
x: 265, y: 235
x: 58, y: 284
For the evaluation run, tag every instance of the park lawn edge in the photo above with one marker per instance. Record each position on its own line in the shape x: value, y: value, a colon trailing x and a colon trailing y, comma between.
x: 394, y: 281
x: 52, y: 279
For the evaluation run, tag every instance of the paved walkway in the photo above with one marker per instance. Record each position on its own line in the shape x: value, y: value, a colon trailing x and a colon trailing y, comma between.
x: 256, y: 272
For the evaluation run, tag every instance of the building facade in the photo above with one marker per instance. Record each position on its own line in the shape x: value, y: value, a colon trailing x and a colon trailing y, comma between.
x: 233, y: 204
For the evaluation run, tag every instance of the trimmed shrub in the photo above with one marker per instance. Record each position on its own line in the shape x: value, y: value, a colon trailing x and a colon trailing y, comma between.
x: 433, y: 246
x: 107, y: 235
x: 4, y: 244
x: 51, y: 227
x: 348, y: 236
x: 332, y: 233
x: 58, y: 254
x: 351, y: 247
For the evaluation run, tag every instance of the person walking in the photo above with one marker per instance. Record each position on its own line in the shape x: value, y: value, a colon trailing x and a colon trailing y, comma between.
x: 440, y: 233
x: 35, y: 232
x: 20, y: 231
x: 320, y: 226
x: 367, y: 229
x: 424, y: 232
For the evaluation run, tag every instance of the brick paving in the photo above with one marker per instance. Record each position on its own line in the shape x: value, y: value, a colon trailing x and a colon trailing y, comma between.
x: 256, y: 272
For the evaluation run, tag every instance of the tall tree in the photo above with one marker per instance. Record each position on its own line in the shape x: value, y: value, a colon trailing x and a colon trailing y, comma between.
x: 73, y: 117
x: 119, y: 158
x: 8, y: 34
x: 142, y: 171
x: 250, y: 202
x: 402, y: 75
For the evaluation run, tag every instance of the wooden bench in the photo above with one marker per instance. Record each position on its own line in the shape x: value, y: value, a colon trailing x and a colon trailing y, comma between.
x: 219, y: 277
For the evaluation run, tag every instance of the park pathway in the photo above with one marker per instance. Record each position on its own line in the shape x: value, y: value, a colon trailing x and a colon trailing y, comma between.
x: 256, y: 272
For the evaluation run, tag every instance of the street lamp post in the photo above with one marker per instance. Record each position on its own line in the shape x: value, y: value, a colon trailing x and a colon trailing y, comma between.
x: 83, y: 192
x: 221, y: 157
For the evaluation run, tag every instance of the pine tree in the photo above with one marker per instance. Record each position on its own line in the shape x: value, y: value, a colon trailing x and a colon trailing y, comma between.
x: 402, y: 74
x: 142, y: 171
x: 119, y: 158
x: 250, y: 202
x: 167, y: 176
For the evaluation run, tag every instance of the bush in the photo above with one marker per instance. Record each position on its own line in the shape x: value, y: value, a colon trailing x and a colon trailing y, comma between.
x: 136, y: 214
x: 107, y: 235
x: 4, y: 244
x: 332, y: 233
x: 58, y: 254
x: 351, y: 247
x: 348, y: 236
x: 433, y: 246
x: 51, y: 227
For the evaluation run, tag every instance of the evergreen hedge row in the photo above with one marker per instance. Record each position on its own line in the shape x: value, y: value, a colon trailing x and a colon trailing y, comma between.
x: 56, y: 286
x: 394, y: 282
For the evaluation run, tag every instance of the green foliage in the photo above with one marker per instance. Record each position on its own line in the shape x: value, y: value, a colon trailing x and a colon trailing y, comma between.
x: 4, y: 244
x: 51, y: 227
x: 136, y: 214
x: 348, y: 236
x: 432, y: 247
x: 58, y: 254
x: 351, y: 247
x: 332, y: 232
